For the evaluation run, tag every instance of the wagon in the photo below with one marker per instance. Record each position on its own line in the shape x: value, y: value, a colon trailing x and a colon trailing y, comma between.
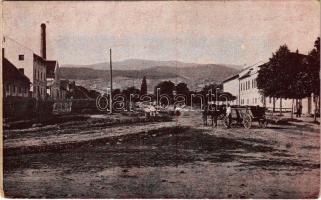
x: 245, y: 116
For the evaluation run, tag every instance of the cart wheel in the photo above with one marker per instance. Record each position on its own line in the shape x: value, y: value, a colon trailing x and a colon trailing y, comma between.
x: 247, y: 121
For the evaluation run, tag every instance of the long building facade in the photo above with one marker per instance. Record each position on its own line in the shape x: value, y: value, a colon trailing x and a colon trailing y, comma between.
x: 244, y: 86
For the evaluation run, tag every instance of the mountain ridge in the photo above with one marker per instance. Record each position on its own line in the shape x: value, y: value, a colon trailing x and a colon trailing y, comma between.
x: 138, y: 64
x: 195, y: 76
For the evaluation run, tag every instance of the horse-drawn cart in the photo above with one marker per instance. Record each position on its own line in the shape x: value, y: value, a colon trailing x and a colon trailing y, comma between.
x: 245, y: 116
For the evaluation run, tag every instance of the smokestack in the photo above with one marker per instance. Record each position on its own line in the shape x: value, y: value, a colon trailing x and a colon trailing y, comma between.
x: 43, y: 51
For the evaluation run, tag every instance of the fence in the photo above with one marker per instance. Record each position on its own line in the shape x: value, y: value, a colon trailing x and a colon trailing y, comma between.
x: 19, y: 108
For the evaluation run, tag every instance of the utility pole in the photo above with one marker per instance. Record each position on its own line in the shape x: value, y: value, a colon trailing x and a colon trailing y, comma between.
x: 111, y: 82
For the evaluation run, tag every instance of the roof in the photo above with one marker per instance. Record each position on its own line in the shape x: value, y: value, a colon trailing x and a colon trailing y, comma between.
x: 38, y: 58
x: 235, y: 76
x: 11, y: 72
x: 247, y: 74
x: 50, y: 68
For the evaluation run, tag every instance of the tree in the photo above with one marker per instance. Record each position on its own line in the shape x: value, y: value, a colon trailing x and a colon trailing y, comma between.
x: 131, y: 91
x: 211, y: 87
x: 271, y: 80
x: 284, y: 76
x: 165, y: 87
x: 143, y: 87
x: 93, y: 94
x: 181, y: 88
x: 313, y: 77
x: 115, y: 92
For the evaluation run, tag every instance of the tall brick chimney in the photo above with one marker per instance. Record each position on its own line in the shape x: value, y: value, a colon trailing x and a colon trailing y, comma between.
x: 43, y: 50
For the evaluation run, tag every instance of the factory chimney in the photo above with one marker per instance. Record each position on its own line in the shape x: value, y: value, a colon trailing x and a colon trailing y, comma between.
x: 43, y: 51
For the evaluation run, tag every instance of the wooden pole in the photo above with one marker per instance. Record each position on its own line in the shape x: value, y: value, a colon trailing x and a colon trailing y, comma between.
x: 111, y: 82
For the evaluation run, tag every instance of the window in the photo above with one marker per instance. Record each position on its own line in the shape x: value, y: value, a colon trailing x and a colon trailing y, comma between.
x: 21, y: 57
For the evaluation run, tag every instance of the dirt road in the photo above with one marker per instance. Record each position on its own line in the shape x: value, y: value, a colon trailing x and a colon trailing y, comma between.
x: 194, y: 162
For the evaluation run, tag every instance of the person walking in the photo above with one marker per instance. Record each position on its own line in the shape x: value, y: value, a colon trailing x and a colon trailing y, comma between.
x: 229, y: 115
x: 205, y: 112
x: 298, y: 109
x: 214, y: 114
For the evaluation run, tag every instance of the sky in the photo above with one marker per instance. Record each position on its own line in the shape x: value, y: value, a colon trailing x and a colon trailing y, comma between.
x: 220, y: 32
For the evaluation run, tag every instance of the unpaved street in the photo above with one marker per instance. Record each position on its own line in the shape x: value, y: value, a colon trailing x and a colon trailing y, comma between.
x: 168, y: 160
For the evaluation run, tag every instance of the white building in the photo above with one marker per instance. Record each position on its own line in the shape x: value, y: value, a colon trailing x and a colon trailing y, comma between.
x: 249, y: 94
x: 231, y: 85
x: 44, y: 74
x: 34, y: 66
x: 244, y: 86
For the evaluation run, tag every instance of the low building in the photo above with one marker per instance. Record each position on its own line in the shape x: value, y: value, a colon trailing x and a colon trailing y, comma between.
x: 54, y: 89
x: 15, y: 83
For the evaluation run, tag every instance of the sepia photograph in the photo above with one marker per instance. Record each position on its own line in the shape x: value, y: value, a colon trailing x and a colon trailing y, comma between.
x: 161, y: 99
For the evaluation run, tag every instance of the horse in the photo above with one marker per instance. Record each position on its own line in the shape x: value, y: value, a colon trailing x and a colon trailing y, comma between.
x: 215, y: 113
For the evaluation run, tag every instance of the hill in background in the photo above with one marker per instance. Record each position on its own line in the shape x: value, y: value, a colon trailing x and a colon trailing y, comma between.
x: 130, y: 73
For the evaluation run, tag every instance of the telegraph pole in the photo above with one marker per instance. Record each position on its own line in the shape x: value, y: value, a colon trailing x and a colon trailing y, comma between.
x: 111, y: 82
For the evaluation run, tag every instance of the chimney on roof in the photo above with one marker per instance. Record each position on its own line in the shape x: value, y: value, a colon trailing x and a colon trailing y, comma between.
x: 22, y: 70
x: 43, y: 50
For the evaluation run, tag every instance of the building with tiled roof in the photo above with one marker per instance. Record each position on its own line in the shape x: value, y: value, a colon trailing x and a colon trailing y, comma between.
x: 15, y: 82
